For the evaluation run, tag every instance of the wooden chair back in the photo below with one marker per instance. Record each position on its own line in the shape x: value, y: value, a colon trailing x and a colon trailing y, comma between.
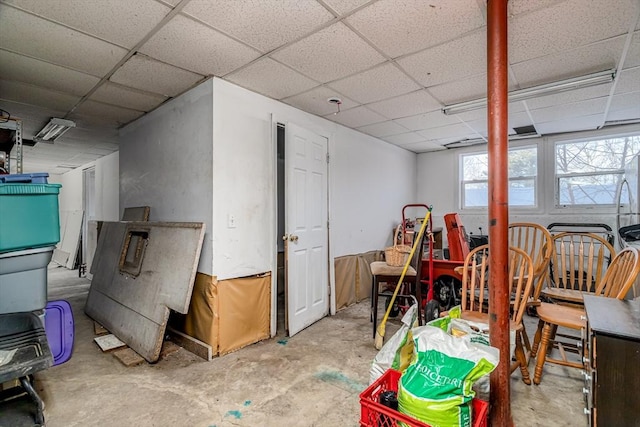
x: 579, y: 261
x: 476, y: 280
x: 535, y: 240
x: 621, y: 274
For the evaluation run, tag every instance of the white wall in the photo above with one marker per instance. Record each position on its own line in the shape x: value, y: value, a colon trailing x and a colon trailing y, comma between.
x: 106, y: 191
x: 438, y: 183
x: 166, y: 163
x: 370, y: 181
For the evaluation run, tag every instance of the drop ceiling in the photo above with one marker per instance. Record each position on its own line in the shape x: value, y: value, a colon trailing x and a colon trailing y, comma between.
x: 394, y: 63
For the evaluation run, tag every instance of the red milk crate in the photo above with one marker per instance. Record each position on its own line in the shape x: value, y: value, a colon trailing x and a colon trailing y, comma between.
x: 374, y: 414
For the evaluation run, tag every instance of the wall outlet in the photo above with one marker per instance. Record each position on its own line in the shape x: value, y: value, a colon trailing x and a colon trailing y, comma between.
x: 231, y: 221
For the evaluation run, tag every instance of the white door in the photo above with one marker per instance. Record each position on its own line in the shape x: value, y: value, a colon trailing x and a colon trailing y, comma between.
x: 306, y: 228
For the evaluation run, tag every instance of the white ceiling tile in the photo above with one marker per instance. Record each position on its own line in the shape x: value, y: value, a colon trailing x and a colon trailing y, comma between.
x: 479, y: 126
x: 27, y: 94
x: 381, y: 82
x: 426, y: 121
x: 264, y: 25
x: 116, y: 115
x: 121, y: 22
x: 382, y: 129
x: 458, y: 130
x: 633, y: 55
x: 518, y: 120
x: 569, y: 111
x: 36, y: 37
x: 345, y: 6
x: 443, y: 63
x: 411, y: 104
x: 577, y: 62
x: 330, y: 54
x: 170, y: 3
x: 144, y: 73
x: 122, y: 96
x: 567, y: 25
x: 315, y: 101
x: 424, y: 146
x: 462, y: 90
x: 271, y: 78
x: 399, y: 27
x: 625, y: 107
x: 186, y: 43
x: 517, y: 7
x: 570, y: 124
x: 624, y: 114
x: 514, y: 107
x: 569, y: 97
x: 626, y: 101
x: 356, y: 117
x: 405, y: 138
x: 628, y: 81
x: 40, y: 73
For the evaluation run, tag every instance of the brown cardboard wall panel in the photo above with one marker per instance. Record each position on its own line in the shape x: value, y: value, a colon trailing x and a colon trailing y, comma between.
x: 345, y: 268
x: 202, y: 320
x: 364, y: 278
x: 353, y: 277
x: 245, y: 311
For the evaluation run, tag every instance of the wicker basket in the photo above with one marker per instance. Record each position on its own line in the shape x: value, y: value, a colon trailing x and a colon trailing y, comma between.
x: 396, y: 255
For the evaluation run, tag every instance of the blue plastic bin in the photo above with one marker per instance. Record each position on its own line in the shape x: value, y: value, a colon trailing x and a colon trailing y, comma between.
x: 33, y: 178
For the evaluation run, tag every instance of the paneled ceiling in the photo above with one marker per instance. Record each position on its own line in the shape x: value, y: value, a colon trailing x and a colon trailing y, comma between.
x: 394, y: 64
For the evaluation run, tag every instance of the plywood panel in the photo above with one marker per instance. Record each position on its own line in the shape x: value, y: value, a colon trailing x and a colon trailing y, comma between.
x: 133, y: 302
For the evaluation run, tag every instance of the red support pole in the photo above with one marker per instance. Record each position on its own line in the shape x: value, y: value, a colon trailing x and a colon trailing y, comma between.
x: 498, y: 112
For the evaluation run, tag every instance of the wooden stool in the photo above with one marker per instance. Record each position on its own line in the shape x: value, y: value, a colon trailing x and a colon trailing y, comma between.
x: 382, y: 272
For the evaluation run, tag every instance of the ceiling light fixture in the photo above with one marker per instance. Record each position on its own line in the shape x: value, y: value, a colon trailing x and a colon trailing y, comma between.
x: 54, y: 129
x: 589, y: 80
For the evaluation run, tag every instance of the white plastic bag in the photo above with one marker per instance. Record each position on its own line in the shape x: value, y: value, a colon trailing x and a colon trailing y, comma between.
x: 398, y: 352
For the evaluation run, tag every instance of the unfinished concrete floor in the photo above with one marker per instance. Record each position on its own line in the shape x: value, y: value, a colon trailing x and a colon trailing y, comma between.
x: 311, y: 379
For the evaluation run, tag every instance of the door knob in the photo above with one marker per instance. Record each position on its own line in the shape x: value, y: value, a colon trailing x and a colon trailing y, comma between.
x: 285, y: 237
x: 293, y: 238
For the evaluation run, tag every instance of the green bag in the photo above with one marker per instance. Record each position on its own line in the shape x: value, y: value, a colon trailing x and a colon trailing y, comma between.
x: 436, y: 388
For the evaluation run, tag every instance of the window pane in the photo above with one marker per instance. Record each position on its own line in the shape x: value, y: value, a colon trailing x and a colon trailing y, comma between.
x: 476, y: 195
x: 588, y: 190
x: 596, y: 156
x: 522, y: 192
x: 523, y: 162
x: 475, y: 167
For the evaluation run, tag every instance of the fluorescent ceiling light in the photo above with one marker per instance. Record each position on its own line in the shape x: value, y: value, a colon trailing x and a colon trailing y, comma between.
x: 54, y: 129
x: 537, y: 91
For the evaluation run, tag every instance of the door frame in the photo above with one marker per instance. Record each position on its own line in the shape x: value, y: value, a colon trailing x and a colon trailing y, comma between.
x: 275, y: 120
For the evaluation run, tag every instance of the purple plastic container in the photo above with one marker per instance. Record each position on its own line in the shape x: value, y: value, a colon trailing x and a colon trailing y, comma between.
x: 58, y: 324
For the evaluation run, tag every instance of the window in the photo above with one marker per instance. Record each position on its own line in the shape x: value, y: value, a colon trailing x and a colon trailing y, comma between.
x: 588, y: 172
x: 523, y: 172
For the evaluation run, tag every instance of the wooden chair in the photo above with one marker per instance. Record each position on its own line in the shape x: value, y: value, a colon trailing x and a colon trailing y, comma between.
x: 536, y: 241
x: 616, y: 283
x: 578, y: 264
x: 475, y: 294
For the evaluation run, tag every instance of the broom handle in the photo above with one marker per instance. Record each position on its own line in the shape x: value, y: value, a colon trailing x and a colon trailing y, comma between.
x: 406, y: 266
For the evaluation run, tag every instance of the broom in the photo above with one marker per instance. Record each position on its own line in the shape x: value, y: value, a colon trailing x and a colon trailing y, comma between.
x: 380, y: 331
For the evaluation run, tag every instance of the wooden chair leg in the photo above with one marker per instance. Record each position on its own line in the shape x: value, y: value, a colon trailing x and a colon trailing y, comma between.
x: 522, y: 360
x: 542, y: 353
x: 536, y: 339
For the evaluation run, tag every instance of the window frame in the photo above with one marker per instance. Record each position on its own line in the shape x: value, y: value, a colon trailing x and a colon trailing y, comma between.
x: 594, y: 136
x: 537, y: 181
